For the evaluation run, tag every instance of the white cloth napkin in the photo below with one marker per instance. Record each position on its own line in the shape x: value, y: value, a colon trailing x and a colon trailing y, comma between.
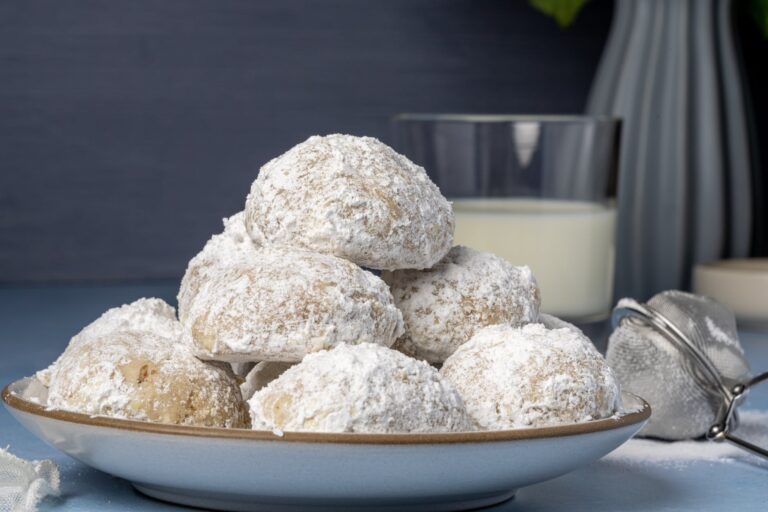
x: 24, y: 484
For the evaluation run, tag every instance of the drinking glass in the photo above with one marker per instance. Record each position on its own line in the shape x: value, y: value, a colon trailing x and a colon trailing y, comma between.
x: 536, y: 190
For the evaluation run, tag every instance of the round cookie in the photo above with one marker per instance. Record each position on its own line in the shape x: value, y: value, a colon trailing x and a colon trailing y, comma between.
x: 141, y: 376
x: 531, y: 376
x: 232, y: 244
x: 284, y: 303
x: 153, y: 316
x: 353, y: 197
x: 444, y: 306
x: 359, y: 388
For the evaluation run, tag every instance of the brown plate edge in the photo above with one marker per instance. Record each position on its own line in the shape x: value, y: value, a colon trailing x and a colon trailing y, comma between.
x: 13, y: 401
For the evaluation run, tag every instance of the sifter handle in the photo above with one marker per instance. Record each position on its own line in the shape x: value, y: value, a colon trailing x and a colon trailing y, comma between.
x: 745, y: 445
x: 721, y: 431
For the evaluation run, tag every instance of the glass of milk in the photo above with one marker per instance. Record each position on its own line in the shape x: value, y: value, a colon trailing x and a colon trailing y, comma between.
x: 536, y: 190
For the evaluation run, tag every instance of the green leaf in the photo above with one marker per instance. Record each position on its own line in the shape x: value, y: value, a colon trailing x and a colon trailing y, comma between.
x: 760, y: 15
x: 565, y: 11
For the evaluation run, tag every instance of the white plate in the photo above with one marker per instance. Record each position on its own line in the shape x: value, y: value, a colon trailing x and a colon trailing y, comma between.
x: 240, y: 469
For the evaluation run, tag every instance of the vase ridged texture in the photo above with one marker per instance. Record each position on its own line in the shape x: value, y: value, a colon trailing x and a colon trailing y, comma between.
x: 670, y: 71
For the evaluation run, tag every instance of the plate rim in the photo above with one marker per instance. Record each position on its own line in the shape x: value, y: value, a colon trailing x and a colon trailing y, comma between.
x: 13, y: 401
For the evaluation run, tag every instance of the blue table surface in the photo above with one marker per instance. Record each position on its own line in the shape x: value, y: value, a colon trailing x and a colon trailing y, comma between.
x: 37, y: 322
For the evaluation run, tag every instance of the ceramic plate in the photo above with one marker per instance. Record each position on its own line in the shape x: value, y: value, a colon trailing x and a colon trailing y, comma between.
x: 240, y: 469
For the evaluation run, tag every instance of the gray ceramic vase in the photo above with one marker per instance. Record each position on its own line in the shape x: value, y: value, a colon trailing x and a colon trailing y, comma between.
x: 670, y: 71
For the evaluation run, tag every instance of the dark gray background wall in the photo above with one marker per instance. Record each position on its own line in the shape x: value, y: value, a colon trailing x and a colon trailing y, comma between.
x: 128, y: 129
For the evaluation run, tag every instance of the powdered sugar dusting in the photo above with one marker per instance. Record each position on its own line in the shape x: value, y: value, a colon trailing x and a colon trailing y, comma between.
x: 445, y: 305
x: 753, y: 427
x: 141, y: 376
x: 152, y: 315
x: 225, y: 249
x: 360, y: 388
x: 720, y: 335
x: 353, y: 197
x: 284, y: 303
x: 532, y: 376
x: 553, y: 322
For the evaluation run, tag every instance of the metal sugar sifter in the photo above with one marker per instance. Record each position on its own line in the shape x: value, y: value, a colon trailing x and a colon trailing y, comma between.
x: 681, y: 352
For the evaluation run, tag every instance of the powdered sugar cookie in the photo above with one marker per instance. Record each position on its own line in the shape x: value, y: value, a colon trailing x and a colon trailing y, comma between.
x: 231, y: 245
x: 531, y: 376
x: 360, y: 388
x: 353, y: 197
x: 284, y: 303
x: 445, y: 305
x: 152, y: 316
x: 141, y: 376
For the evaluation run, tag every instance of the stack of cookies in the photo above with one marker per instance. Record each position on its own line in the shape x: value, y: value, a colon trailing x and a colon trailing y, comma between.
x: 328, y: 304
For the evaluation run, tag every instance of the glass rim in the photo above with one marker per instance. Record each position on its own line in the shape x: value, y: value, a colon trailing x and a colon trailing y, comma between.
x: 504, y: 118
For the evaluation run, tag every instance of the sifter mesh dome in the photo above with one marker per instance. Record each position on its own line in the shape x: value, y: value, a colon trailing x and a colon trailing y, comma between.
x: 686, y: 398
